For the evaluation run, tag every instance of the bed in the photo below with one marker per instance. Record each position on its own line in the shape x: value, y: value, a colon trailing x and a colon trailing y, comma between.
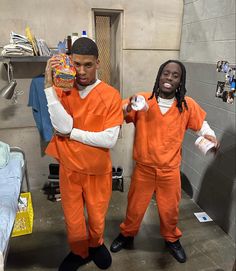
x: 11, y: 181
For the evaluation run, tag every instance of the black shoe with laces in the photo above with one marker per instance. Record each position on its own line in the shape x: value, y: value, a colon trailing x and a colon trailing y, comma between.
x: 100, y: 256
x: 176, y: 250
x: 72, y: 262
x: 122, y: 242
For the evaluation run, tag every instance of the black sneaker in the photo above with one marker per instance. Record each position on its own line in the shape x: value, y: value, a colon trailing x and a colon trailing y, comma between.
x: 72, y: 262
x: 119, y: 172
x: 122, y: 242
x: 101, y: 256
x: 176, y: 250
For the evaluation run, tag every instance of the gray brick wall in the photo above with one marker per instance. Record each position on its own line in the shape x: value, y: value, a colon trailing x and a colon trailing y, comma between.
x: 211, y: 180
x: 208, y: 31
x: 208, y: 35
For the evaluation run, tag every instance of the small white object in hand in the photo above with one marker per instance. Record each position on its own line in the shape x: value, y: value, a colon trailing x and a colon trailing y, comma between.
x: 204, y: 145
x: 138, y: 103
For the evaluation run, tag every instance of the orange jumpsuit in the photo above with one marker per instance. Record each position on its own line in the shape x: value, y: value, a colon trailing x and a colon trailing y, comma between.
x: 157, y: 152
x: 85, y: 171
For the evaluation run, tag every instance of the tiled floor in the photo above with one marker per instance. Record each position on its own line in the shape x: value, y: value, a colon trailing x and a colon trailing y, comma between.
x: 207, y: 247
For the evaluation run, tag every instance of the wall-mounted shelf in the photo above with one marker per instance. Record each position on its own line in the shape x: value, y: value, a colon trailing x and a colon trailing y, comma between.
x: 14, y: 59
x: 10, y: 63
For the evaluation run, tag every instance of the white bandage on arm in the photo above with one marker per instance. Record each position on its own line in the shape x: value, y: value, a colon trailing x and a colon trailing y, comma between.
x: 104, y: 139
x: 205, y: 130
x: 61, y: 120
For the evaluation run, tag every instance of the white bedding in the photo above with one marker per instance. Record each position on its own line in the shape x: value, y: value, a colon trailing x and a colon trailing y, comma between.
x: 17, y: 155
x: 10, y: 185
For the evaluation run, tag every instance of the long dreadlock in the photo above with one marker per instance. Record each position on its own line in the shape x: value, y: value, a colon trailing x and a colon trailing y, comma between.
x: 180, y: 91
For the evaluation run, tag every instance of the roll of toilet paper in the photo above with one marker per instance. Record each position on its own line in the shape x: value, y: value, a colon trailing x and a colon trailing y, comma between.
x: 204, y: 145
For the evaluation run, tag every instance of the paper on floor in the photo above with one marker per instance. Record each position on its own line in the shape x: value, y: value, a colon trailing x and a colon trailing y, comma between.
x: 203, y: 217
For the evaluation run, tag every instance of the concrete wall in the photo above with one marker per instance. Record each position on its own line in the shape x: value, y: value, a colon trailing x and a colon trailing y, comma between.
x: 208, y: 31
x: 208, y: 36
x: 150, y: 35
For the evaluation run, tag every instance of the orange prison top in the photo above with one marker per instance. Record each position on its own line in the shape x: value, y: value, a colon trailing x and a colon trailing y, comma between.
x: 158, y: 137
x: 99, y: 110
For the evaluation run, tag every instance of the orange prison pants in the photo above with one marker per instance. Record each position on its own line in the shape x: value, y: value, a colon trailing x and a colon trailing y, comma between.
x: 77, y: 191
x: 167, y: 187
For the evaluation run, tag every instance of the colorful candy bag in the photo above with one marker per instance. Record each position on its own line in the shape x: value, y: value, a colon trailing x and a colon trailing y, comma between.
x: 64, y: 74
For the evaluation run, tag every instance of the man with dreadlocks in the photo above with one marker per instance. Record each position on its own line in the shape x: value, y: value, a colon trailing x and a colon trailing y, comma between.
x: 159, y: 133
x: 87, y: 120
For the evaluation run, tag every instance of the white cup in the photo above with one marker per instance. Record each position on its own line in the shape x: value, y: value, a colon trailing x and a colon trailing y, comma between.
x: 138, y: 103
x: 204, y: 145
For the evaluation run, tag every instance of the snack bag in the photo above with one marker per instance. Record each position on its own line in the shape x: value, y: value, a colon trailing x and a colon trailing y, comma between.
x: 64, y: 75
